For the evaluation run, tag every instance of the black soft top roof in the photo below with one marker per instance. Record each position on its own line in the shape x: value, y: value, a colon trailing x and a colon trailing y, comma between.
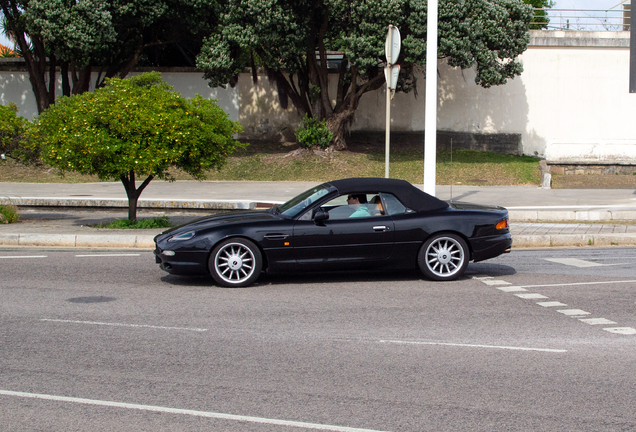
x: 410, y: 196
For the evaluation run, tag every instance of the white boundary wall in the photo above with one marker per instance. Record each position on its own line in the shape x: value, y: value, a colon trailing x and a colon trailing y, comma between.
x: 574, y: 91
x: 572, y: 99
x: 15, y: 87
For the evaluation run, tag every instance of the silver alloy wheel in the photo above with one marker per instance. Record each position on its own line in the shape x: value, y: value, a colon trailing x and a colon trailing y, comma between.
x: 234, y: 263
x: 445, y: 257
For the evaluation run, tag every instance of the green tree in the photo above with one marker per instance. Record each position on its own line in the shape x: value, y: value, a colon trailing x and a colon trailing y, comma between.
x: 80, y: 37
x: 136, y: 127
x: 292, y: 38
x: 540, y: 20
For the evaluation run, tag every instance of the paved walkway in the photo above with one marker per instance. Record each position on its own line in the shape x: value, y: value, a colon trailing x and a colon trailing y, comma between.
x: 62, y: 215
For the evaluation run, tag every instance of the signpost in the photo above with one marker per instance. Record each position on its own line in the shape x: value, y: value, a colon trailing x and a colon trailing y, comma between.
x: 430, y: 108
x: 391, y: 72
x: 632, y: 55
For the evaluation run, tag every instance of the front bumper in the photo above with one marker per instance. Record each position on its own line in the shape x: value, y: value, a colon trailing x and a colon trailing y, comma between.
x: 182, y: 262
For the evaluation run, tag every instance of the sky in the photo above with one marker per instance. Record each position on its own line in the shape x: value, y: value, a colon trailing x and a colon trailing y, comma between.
x: 559, y: 4
x: 586, y: 4
x: 585, y: 15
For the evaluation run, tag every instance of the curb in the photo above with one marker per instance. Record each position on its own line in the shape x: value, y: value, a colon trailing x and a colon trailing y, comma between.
x: 78, y: 241
x: 66, y: 202
x: 562, y: 240
x: 570, y: 215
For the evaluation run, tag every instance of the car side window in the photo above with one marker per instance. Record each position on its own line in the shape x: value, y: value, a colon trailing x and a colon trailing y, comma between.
x: 393, y: 205
x: 357, y: 205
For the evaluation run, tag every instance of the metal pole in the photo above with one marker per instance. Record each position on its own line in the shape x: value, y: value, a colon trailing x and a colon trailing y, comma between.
x: 430, y: 109
x: 387, y: 137
x: 632, y: 54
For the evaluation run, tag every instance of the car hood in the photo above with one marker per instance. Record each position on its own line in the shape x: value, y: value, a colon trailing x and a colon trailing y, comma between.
x: 460, y: 205
x: 224, y: 219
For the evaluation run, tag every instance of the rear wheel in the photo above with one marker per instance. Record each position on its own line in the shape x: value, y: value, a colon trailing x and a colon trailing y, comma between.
x: 443, y: 257
x: 235, y: 263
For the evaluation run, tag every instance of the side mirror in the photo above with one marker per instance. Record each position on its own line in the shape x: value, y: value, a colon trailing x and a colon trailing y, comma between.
x: 320, y: 216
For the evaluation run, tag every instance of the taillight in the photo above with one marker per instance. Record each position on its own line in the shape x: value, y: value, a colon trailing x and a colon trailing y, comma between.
x: 502, y: 225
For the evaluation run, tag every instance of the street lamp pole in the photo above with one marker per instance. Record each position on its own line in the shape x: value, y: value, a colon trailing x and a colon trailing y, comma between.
x: 430, y: 109
x: 632, y: 53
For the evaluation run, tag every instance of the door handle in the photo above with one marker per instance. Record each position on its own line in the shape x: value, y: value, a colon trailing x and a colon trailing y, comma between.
x: 380, y: 228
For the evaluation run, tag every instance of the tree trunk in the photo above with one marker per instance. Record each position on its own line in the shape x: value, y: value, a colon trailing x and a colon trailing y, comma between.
x: 337, y: 124
x: 36, y: 66
x: 66, y: 86
x: 133, y: 193
x: 82, y: 79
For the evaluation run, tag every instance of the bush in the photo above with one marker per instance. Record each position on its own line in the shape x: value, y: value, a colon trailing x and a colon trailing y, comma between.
x: 12, y: 135
x: 314, y: 133
x: 9, y: 214
x: 160, y: 222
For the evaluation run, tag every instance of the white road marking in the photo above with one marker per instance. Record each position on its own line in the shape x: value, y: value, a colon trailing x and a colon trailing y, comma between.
x: 572, y: 284
x: 511, y: 289
x: 573, y: 312
x: 596, y: 321
x: 569, y: 312
x: 551, y: 304
x: 107, y: 255
x: 531, y: 296
x: 575, y: 262
x: 621, y: 330
x: 208, y: 414
x: 25, y: 256
x: 493, y: 282
x: 473, y: 346
x: 124, y: 325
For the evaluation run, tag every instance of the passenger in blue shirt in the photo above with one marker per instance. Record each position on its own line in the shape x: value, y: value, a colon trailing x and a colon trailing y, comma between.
x: 359, y: 201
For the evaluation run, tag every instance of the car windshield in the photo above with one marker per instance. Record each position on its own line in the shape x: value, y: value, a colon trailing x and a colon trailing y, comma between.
x: 298, y: 204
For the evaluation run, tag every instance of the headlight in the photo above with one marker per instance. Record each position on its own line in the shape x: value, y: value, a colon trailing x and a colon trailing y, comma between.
x: 182, y: 237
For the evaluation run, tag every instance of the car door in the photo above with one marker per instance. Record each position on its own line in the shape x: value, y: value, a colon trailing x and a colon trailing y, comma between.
x: 344, y: 241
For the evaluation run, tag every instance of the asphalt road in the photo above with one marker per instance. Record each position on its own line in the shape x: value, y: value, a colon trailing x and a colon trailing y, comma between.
x: 537, y: 340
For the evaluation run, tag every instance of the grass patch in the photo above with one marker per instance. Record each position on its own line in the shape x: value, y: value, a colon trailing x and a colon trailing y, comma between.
x: 469, y: 167
x: 160, y: 222
x: 274, y: 161
x: 9, y: 213
x: 12, y: 171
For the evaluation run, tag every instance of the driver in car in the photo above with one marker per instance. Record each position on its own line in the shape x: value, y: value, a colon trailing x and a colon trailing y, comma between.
x: 359, y: 202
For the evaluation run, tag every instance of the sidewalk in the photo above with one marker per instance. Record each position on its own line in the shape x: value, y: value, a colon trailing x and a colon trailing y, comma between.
x: 60, y: 215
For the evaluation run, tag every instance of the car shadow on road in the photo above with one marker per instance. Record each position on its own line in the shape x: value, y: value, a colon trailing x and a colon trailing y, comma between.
x: 334, y: 277
x: 489, y: 269
x: 474, y: 269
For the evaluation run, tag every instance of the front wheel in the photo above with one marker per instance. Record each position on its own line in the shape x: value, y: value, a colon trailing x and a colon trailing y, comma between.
x: 235, y: 263
x: 444, y: 257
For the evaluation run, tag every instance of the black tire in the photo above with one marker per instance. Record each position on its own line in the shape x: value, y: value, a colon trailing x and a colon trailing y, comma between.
x: 443, y: 257
x: 235, y: 262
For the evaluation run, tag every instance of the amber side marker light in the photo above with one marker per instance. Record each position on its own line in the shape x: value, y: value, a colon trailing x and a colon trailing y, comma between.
x: 502, y: 225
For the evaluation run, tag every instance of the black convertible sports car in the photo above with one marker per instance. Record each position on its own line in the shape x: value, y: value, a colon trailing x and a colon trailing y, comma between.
x: 343, y: 224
